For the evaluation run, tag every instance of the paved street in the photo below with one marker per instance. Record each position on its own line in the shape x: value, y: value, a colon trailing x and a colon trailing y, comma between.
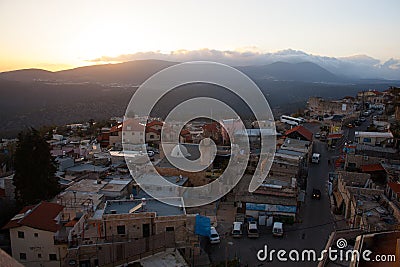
x: 312, y: 233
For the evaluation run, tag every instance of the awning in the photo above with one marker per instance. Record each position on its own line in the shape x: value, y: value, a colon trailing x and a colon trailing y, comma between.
x: 334, y: 136
x: 338, y: 198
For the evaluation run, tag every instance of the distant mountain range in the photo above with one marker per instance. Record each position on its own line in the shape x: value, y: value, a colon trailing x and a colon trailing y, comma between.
x: 35, y: 97
x: 353, y: 67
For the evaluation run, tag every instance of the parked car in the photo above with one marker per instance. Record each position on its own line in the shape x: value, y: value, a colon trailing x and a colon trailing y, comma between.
x: 315, y: 158
x: 252, y: 230
x: 214, y: 236
x: 237, y: 229
x: 316, y: 193
x: 317, y: 135
x: 350, y: 125
x: 362, y: 119
x: 357, y: 122
x: 277, y: 229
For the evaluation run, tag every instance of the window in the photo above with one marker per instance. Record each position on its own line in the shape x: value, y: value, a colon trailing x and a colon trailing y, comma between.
x: 121, y: 229
x: 39, y: 256
x: 21, y: 234
x: 22, y: 256
x: 169, y: 229
x: 52, y: 257
x: 36, y: 234
x: 367, y: 140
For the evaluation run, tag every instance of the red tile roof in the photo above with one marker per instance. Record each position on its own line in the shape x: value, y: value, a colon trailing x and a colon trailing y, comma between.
x: 372, y: 168
x: 211, y: 127
x: 395, y: 187
x: 302, y: 131
x: 116, y: 128
x: 42, y: 216
x: 153, y: 123
x: 184, y: 132
x: 151, y: 130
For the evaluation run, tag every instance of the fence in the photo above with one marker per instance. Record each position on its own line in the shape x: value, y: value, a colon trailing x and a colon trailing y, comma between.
x: 110, y: 253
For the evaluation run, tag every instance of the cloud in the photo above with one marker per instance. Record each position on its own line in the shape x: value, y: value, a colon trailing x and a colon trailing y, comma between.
x: 360, y: 66
x: 392, y: 64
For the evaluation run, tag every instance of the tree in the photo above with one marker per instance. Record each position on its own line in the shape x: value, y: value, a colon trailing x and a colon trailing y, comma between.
x: 34, y: 177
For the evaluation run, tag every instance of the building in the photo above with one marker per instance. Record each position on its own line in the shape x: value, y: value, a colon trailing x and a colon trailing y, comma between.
x: 299, y: 132
x: 385, y: 244
x: 34, y: 235
x: 320, y: 107
x: 363, y: 203
x: 381, y: 139
x: 126, y: 230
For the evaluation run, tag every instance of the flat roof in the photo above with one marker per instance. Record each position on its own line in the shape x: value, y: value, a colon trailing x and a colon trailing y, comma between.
x: 67, y: 198
x: 152, y: 205
x: 86, y: 168
x: 153, y: 179
x: 375, y: 134
x: 295, y: 145
x: 86, y: 185
x: 116, y: 185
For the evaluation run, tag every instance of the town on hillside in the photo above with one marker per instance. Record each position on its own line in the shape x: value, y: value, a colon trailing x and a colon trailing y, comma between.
x: 335, y: 175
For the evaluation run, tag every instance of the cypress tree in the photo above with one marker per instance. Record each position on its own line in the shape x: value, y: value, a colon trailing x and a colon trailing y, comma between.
x: 34, y: 177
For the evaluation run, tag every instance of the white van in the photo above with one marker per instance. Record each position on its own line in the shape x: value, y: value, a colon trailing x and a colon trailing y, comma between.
x: 214, y: 236
x: 315, y: 158
x: 252, y: 230
x: 237, y: 229
x: 277, y: 229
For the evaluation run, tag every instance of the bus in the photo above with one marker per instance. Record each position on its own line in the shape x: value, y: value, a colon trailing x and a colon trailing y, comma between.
x: 292, y: 120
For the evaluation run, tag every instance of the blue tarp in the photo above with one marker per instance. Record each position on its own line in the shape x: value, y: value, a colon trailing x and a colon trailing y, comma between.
x: 271, y: 208
x: 202, y: 226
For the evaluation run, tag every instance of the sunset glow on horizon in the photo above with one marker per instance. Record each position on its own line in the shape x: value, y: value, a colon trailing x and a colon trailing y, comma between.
x: 56, y: 35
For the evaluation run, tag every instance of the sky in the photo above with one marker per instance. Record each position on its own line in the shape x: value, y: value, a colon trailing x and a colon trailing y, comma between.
x: 56, y: 35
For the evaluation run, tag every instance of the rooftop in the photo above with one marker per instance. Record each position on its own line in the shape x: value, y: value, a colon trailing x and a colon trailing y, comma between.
x: 86, y: 168
x: 296, y: 145
x: 372, y: 168
x: 116, y: 185
x: 79, y: 199
x: 87, y: 185
x: 152, y: 205
x: 41, y: 216
x: 302, y: 131
x: 374, y: 134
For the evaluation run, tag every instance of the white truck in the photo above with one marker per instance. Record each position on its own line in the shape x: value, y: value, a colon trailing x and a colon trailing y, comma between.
x: 315, y: 158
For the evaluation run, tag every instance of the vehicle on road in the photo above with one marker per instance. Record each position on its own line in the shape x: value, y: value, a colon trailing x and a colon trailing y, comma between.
x: 317, y: 135
x: 349, y: 125
x: 357, y: 122
x: 277, y: 229
x: 315, y: 158
x: 362, y: 119
x: 316, y: 194
x: 214, y: 236
x: 252, y: 230
x: 323, y: 137
x: 291, y: 120
x: 237, y: 229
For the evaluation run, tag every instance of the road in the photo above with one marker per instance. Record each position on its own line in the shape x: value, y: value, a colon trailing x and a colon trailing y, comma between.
x: 316, y: 218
